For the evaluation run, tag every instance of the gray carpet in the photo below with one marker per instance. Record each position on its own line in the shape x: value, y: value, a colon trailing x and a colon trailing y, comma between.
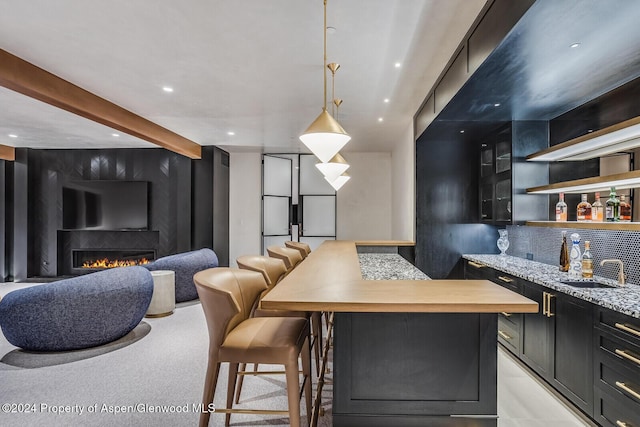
x: 161, y: 362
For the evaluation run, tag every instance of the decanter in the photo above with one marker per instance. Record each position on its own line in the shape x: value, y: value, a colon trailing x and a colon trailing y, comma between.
x: 503, y: 242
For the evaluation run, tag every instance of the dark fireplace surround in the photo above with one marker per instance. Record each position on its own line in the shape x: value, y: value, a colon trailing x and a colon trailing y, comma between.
x: 77, y: 246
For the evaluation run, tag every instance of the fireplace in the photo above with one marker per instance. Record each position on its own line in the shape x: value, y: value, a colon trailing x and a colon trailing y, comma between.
x: 111, y: 248
x: 99, y: 259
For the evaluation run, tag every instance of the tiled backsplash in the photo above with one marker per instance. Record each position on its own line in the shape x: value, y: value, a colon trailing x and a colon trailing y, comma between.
x: 544, y: 245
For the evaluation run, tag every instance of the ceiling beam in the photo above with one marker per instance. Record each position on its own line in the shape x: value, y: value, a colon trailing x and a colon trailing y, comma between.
x: 25, y: 78
x: 7, y: 153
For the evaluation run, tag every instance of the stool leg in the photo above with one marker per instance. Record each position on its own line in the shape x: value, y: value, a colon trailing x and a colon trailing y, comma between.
x: 306, y: 370
x: 243, y: 367
x: 293, y: 391
x: 316, y: 320
x: 211, y: 379
x: 231, y: 388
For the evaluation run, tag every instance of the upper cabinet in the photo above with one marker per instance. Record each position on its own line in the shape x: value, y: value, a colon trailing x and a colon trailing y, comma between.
x: 495, y: 177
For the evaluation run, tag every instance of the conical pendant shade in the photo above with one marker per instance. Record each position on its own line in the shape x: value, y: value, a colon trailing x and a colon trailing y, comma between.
x: 325, y: 137
x: 334, y: 167
x: 339, y: 182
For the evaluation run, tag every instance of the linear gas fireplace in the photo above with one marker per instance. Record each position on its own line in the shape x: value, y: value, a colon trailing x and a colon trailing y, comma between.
x: 109, y: 258
x: 82, y: 252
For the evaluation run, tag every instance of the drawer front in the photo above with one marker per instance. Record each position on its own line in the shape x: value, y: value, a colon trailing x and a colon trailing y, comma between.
x: 508, y: 281
x: 509, y: 334
x: 621, y: 325
x: 611, y: 375
x: 618, y: 352
x: 476, y: 271
x: 612, y: 409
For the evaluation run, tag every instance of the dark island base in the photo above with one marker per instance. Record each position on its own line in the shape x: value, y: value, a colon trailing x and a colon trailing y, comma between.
x: 415, y: 369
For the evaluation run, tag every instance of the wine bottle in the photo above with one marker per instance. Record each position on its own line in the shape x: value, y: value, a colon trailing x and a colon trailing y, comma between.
x: 587, y: 261
x: 612, y: 211
x: 584, y: 210
x: 597, y: 210
x: 625, y: 209
x: 561, y: 209
x: 564, y: 253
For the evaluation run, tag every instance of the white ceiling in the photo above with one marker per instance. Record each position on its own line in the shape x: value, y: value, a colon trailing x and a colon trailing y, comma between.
x: 253, y: 67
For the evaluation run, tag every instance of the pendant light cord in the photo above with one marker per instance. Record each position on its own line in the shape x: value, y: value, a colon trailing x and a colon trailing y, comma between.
x: 324, y: 68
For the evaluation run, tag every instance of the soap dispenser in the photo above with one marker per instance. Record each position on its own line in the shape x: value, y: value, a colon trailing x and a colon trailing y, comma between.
x: 575, y: 271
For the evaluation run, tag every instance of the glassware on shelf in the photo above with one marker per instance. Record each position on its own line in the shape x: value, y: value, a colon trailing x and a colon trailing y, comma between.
x: 584, y: 210
x: 503, y: 242
x: 625, y: 209
x: 561, y: 209
x: 597, y: 210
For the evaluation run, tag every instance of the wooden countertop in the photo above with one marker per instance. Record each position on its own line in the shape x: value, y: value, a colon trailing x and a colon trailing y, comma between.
x: 329, y: 279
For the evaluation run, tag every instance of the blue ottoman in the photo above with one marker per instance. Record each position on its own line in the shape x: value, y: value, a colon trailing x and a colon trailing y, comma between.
x: 81, y: 312
x: 186, y: 264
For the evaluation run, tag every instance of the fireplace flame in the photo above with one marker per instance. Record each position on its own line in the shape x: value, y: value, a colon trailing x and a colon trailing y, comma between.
x: 107, y: 263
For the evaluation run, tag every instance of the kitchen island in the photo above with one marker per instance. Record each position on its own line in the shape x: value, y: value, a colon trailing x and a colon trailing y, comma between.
x: 406, y: 352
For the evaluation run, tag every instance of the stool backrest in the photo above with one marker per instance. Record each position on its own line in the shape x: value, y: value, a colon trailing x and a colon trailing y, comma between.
x: 273, y: 269
x: 227, y: 296
x: 303, y: 248
x: 291, y: 257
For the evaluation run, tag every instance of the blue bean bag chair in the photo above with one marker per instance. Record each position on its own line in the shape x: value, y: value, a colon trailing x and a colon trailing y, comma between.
x: 75, y: 313
x: 186, y: 264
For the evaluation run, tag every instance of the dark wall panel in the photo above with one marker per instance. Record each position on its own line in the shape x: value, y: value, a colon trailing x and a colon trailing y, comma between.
x: 447, y: 211
x: 40, y: 175
x: 221, y: 206
x: 3, y: 222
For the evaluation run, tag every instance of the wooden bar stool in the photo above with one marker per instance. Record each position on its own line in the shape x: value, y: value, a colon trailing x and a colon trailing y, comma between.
x: 291, y: 257
x: 303, y: 248
x: 227, y: 296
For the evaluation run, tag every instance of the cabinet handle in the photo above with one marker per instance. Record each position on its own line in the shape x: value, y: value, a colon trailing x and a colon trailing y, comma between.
x: 544, y: 304
x: 503, y: 335
x: 505, y: 279
x: 476, y: 264
x: 621, y: 423
x: 506, y: 314
x: 626, y: 355
x: 549, y: 296
x: 628, y: 389
x: 628, y: 328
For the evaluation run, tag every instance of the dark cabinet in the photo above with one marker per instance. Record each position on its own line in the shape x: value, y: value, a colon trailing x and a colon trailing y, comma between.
x: 495, y: 177
x: 509, y: 324
x: 617, y: 369
x: 537, y: 331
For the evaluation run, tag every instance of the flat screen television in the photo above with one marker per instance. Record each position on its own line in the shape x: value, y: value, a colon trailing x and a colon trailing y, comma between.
x: 105, y: 205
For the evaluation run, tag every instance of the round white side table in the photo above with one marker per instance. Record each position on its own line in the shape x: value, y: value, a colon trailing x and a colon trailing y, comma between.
x: 163, y: 301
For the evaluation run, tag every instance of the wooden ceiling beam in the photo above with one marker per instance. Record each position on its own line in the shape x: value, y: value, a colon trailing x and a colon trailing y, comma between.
x: 25, y: 78
x: 7, y: 153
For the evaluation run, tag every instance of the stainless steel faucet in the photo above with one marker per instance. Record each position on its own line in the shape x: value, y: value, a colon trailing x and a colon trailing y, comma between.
x: 621, y: 276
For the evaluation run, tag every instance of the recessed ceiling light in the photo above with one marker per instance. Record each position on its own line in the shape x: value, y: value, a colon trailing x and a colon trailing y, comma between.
x: 115, y: 135
x: 386, y: 100
x: 590, y: 130
x: 398, y: 65
x: 13, y: 135
x: 462, y: 131
x: 167, y: 89
x: 230, y: 133
x: 380, y: 119
x: 575, y: 45
x: 497, y: 104
x: 331, y: 30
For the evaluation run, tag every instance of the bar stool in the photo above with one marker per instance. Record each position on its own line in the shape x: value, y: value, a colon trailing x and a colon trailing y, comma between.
x: 274, y: 270
x: 291, y: 257
x: 227, y: 296
x: 303, y: 248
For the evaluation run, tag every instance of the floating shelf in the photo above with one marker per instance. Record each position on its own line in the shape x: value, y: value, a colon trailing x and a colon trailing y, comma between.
x: 624, y: 226
x: 620, y: 181
x: 612, y: 139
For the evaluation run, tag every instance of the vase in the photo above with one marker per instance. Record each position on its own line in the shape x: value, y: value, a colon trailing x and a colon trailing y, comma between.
x: 503, y: 242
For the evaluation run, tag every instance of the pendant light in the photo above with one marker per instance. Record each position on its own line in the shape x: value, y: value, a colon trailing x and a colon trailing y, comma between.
x: 325, y: 137
x: 337, y: 165
x: 339, y: 181
x: 334, y: 167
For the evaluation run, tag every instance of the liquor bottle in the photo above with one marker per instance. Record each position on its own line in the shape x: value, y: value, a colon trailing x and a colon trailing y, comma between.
x: 584, y: 210
x: 612, y: 211
x: 625, y: 209
x: 597, y: 210
x: 575, y: 257
x: 561, y: 209
x: 587, y: 261
x: 564, y: 253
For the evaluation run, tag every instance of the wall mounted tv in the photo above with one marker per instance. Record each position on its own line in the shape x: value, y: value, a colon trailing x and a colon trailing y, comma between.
x: 105, y: 205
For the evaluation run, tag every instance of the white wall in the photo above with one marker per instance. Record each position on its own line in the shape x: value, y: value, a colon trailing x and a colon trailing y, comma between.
x: 364, y: 202
x: 245, y: 205
x: 403, y: 174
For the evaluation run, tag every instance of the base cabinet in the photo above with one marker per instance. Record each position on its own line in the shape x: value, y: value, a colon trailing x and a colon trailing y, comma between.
x: 557, y: 342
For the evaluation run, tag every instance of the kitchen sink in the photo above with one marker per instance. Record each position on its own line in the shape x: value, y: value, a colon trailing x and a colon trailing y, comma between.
x: 588, y: 284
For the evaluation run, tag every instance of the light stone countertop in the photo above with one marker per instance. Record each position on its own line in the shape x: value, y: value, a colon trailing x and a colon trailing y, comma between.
x: 375, y: 266
x: 624, y: 299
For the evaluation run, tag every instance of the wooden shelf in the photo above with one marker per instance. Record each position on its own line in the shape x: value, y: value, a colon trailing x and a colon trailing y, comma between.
x: 612, y: 139
x: 620, y: 181
x: 624, y: 226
